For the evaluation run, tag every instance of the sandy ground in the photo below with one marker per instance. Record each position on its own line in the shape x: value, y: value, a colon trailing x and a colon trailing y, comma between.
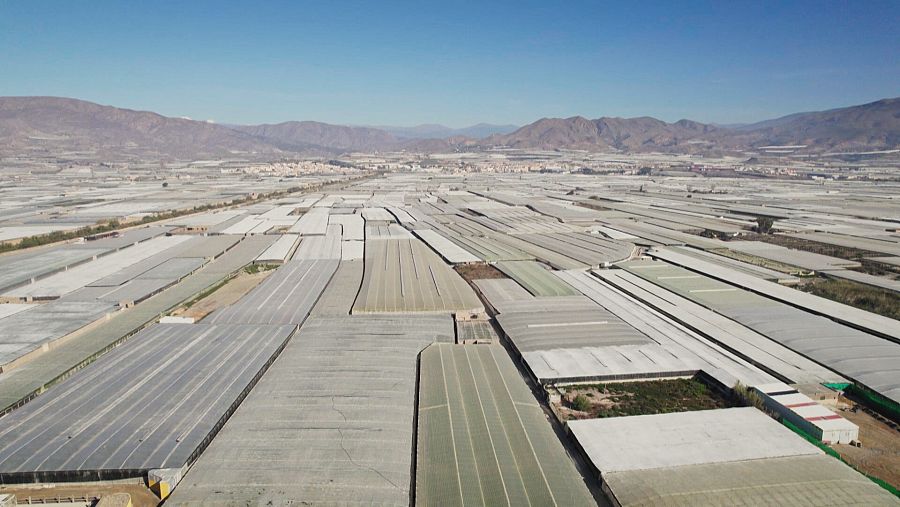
x: 141, y: 496
x: 879, y: 455
x: 235, y: 289
x: 478, y: 271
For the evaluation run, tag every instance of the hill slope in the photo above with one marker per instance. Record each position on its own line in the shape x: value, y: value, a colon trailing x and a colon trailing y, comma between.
x: 52, y: 125
x: 433, y: 131
x: 300, y: 135
x: 623, y: 134
x: 873, y: 126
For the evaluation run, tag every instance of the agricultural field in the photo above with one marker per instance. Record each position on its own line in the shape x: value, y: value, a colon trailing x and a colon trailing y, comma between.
x: 872, y: 299
x: 640, y: 398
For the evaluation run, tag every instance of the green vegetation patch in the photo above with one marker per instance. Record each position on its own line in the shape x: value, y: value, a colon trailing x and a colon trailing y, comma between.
x: 872, y: 299
x: 641, y: 398
x: 252, y: 269
x: 57, y: 236
x: 758, y: 261
x: 842, y: 252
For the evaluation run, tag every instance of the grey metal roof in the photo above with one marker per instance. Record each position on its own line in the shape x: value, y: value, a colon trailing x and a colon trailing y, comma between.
x: 150, y: 403
x: 313, y: 222
x: 173, y: 269
x: 642, y: 442
x: 403, y: 276
x: 450, y: 251
x: 8, y: 309
x: 64, y: 282
x: 856, y: 317
x: 338, y: 297
x: 868, y: 359
x: 588, y: 249
x: 594, y: 327
x: 20, y: 268
x: 284, y: 297
x: 497, y: 290
x: 353, y: 225
x: 801, y: 481
x: 545, y: 304
x: 331, y: 422
x: 133, y: 291
x: 490, y: 250
x: 481, y: 331
x: 551, y: 257
x: 657, y: 234
x: 733, y: 336
x: 125, y: 239
x: 743, y: 267
x: 30, y: 330
x: 383, y: 230
x: 611, y: 363
x: 193, y: 248
x: 800, y: 258
x: 319, y: 247
x: 281, y: 250
x: 482, y: 437
x: 536, y: 278
x: 679, y: 345
x: 54, y: 364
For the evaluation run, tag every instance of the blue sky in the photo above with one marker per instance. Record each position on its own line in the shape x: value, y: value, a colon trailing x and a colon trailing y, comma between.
x: 379, y: 62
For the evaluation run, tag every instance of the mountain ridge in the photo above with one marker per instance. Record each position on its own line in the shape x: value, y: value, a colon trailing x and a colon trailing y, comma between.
x: 54, y: 125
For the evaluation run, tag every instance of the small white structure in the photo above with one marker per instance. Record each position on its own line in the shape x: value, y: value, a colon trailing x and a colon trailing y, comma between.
x: 807, y: 414
x: 280, y: 251
x: 172, y: 319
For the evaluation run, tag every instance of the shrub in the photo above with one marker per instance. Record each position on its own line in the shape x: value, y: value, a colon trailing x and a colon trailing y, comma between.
x: 581, y: 403
x: 764, y: 225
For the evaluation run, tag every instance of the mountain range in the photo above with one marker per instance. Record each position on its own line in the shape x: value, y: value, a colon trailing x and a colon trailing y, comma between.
x: 63, y: 127
x: 433, y: 131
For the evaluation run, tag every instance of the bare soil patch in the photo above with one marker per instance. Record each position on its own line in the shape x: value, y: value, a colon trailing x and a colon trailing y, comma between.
x: 141, y: 496
x: 225, y: 295
x: 479, y: 271
x: 879, y: 455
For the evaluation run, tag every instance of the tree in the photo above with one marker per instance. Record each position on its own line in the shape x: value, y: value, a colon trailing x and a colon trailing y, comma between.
x: 764, y: 225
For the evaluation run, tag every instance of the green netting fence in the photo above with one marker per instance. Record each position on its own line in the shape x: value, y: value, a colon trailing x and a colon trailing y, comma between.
x: 889, y: 408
